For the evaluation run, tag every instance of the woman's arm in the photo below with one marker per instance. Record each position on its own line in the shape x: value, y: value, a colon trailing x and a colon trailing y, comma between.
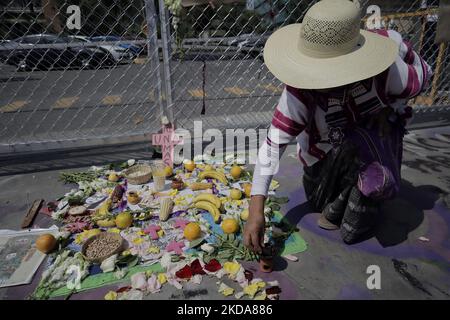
x: 288, y: 122
x: 406, y: 77
x: 404, y: 80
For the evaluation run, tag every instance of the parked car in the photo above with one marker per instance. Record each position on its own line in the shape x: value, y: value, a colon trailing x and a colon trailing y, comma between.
x: 253, y: 47
x: 135, y: 49
x: 5, y: 50
x: 120, y: 54
x: 26, y: 56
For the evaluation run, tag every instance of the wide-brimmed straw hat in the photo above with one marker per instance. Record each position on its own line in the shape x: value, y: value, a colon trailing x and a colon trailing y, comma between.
x: 328, y: 49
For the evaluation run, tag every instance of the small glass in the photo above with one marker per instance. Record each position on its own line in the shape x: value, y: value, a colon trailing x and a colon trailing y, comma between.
x: 159, y: 176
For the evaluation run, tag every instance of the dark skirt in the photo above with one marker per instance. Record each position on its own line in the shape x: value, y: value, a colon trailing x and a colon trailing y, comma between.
x: 331, y: 187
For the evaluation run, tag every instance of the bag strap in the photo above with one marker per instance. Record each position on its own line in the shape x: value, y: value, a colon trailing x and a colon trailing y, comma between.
x: 370, y: 144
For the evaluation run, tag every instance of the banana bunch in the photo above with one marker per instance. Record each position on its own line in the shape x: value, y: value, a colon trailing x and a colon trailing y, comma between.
x: 102, y: 216
x: 220, y: 176
x: 210, y: 203
x: 103, y: 211
x: 106, y: 223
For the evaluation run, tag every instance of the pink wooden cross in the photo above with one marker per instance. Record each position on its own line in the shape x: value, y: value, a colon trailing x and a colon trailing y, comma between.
x: 175, y: 246
x: 181, y: 223
x: 167, y: 140
x: 152, y: 230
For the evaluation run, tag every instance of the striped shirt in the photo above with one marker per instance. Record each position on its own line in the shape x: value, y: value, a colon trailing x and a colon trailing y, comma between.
x: 293, y: 118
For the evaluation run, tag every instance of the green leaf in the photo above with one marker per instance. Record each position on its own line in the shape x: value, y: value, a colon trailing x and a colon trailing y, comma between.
x: 281, y: 200
x: 275, y: 207
x: 196, y: 243
x: 133, y: 262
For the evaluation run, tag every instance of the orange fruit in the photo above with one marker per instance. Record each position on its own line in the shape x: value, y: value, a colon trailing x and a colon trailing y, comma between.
x: 235, y: 194
x: 244, y: 215
x: 192, y: 231
x: 189, y: 165
x: 124, y: 220
x: 247, y: 189
x: 46, y: 243
x: 236, y: 172
x: 230, y: 226
x: 113, y: 177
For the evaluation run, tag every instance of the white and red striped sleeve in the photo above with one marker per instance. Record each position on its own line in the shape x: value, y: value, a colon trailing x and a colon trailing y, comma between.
x: 408, y: 76
x: 288, y: 122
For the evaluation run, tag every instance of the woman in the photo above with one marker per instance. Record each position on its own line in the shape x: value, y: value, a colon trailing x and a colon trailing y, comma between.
x: 345, y: 104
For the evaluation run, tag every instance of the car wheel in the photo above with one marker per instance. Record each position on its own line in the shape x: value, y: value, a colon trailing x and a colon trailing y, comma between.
x: 23, y: 66
x: 86, y: 63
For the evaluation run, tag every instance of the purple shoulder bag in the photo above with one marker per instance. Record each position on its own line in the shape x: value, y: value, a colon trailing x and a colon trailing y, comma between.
x: 381, y: 158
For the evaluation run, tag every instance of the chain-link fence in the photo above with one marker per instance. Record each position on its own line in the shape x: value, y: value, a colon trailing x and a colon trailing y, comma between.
x: 74, y: 73
x: 217, y: 70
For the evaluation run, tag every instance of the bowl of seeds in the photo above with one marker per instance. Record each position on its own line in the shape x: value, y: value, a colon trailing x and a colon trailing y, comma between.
x: 102, y: 246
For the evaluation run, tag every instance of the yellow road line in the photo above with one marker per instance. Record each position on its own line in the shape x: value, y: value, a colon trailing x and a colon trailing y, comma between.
x: 152, y: 96
x: 197, y: 93
x: 236, y: 91
x: 13, y: 106
x: 111, y: 100
x: 64, y: 103
x: 140, y: 60
x: 138, y: 120
x: 271, y: 87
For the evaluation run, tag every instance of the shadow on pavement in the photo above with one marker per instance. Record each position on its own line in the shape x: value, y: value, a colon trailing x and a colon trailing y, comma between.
x: 397, y: 218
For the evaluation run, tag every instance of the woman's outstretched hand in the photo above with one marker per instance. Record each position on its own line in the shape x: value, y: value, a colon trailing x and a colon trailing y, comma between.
x: 254, y: 227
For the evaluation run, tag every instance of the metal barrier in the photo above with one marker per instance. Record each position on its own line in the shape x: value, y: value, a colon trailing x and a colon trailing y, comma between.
x: 110, y: 79
x: 220, y: 77
x: 63, y: 85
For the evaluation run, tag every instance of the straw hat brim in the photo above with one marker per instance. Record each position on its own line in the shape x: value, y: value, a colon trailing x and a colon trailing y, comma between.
x: 374, y: 54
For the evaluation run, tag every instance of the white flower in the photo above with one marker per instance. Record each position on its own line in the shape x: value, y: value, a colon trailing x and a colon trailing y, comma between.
x: 153, y: 285
x: 131, y: 162
x: 132, y: 295
x: 79, y: 194
x: 109, y: 264
x: 273, y: 283
x: 82, y: 185
x: 62, y: 234
x: 59, y: 214
x: 99, y: 184
x: 207, y: 248
x: 121, y: 273
x: 139, y: 281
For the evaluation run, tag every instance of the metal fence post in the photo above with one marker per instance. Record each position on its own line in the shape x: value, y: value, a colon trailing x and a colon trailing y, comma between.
x: 153, y: 47
x: 165, y: 33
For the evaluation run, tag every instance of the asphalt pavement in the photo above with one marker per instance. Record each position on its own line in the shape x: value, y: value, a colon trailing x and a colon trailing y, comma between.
x: 119, y: 101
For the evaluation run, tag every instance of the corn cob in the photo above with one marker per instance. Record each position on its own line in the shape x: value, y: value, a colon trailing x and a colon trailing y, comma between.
x: 166, y: 208
x: 200, y: 186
